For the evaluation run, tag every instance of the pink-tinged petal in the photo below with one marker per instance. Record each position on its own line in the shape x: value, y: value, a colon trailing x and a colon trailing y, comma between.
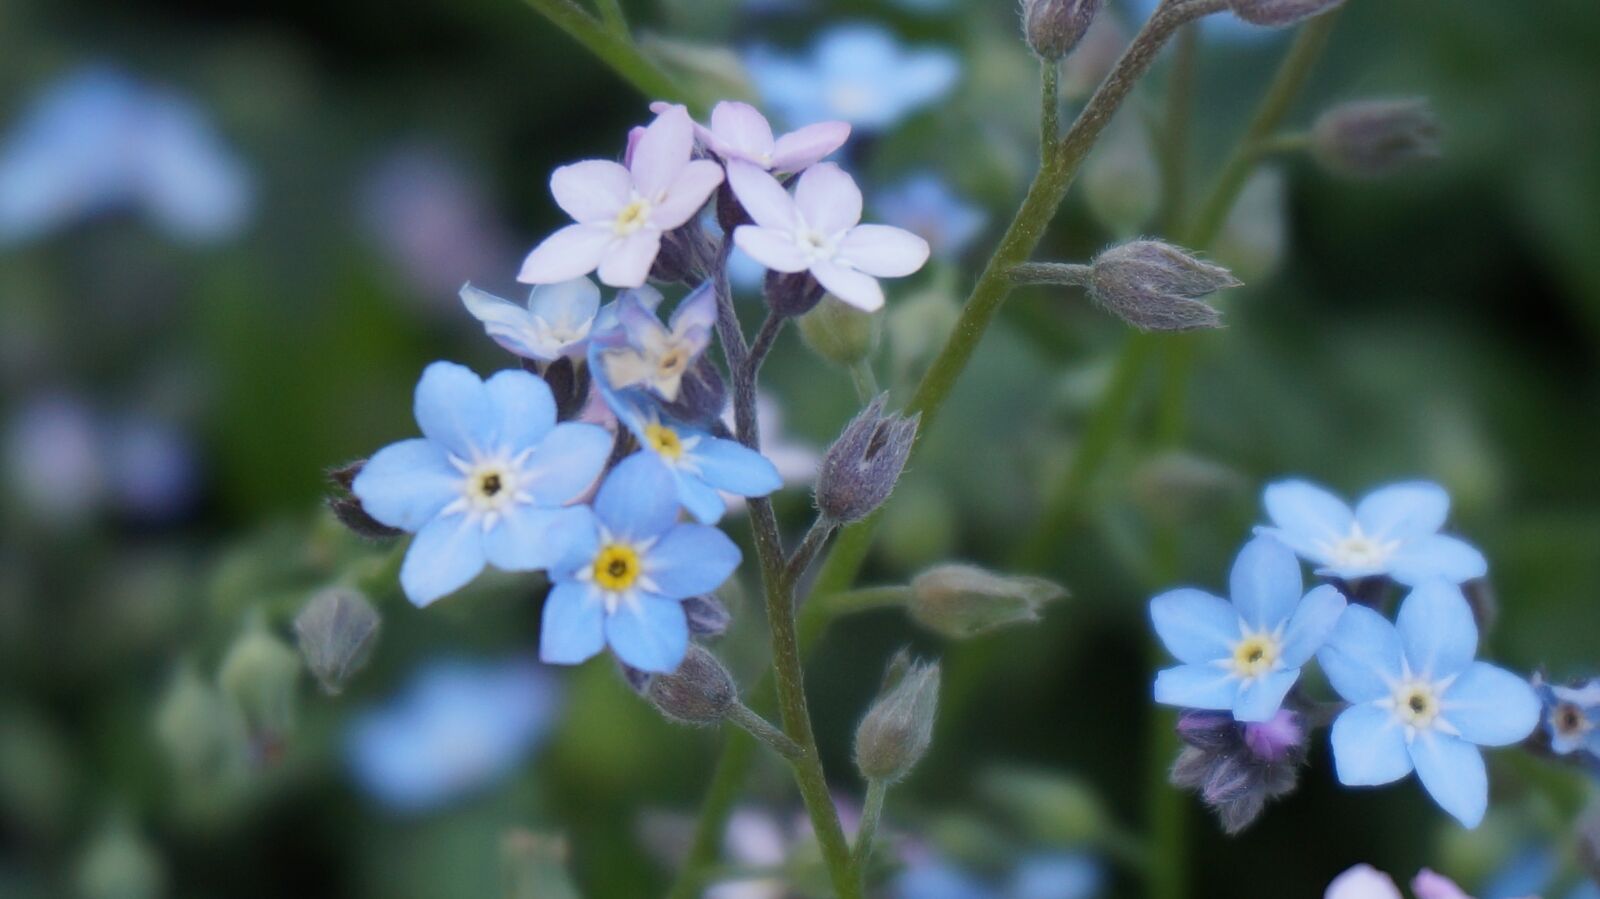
x: 884, y: 251
x: 768, y: 204
x: 591, y: 191
x: 772, y: 248
x: 828, y: 198
x: 687, y: 194
x: 801, y: 149
x: 572, y: 252
x: 740, y: 132
x: 859, y: 290
x: 662, y: 152
x: 634, y: 133
x: 627, y: 263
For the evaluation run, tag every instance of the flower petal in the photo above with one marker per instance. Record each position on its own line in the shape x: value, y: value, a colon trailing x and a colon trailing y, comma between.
x: 800, y: 149
x: 570, y: 253
x: 1363, y: 655
x: 699, y: 499
x: 1369, y: 747
x: 1195, y: 626
x: 593, y: 191
x: 828, y: 198
x: 1363, y: 882
x: 1411, y: 509
x: 1312, y: 624
x: 507, y: 323
x: 573, y: 628
x: 698, y: 310
x: 1197, y: 687
x: 1307, y: 513
x: 1260, y: 699
x: 662, y: 152
x: 638, y: 499
x: 687, y: 194
x: 444, y: 557
x: 566, y: 305
x: 522, y: 405
x: 691, y: 559
x: 859, y: 290
x: 528, y: 538
x: 883, y: 251
x: 740, y: 131
x: 1453, y: 772
x: 1437, y: 556
x: 627, y: 262
x: 405, y: 484
x: 1490, y: 706
x: 771, y: 247
x: 768, y: 204
x: 1265, y: 583
x: 1437, y: 629
x: 566, y: 462
x: 651, y: 634
x: 452, y: 408
x: 735, y: 468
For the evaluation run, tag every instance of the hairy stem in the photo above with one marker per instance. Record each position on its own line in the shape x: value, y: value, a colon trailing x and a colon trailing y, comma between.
x: 806, y: 552
x: 762, y: 729
x: 771, y: 327
x: 1174, y: 143
x: 613, y: 48
x: 866, y: 383
x: 871, y: 814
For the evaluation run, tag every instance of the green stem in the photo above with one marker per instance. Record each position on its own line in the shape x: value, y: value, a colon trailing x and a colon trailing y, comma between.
x: 611, y: 15
x: 756, y: 726
x: 615, y: 50
x: 1174, y: 144
x: 871, y: 814
x: 866, y: 383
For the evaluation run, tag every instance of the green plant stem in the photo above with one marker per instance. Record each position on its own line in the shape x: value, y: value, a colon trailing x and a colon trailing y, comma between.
x: 756, y: 726
x: 866, y: 383
x: 871, y: 814
x: 1174, y: 143
x: 611, y: 14
x: 614, y: 49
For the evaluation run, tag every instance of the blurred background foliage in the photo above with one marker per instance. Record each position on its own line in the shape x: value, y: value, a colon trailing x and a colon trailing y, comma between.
x: 171, y: 402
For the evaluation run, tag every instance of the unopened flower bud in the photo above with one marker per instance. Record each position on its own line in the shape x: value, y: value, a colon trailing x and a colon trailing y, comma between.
x: 702, y: 395
x: 1155, y: 286
x: 708, y: 617
x: 1280, y: 13
x: 839, y: 332
x: 701, y: 691
x: 860, y: 470
x: 1054, y: 27
x: 535, y: 866
x: 963, y: 600
x: 336, y: 632
x: 1175, y: 487
x: 348, y: 509
x: 198, y: 728
x: 1369, y: 139
x: 898, y: 728
x: 262, y: 674
x: 1237, y: 768
x: 792, y: 293
x: 120, y: 863
x: 685, y: 253
x: 569, y: 382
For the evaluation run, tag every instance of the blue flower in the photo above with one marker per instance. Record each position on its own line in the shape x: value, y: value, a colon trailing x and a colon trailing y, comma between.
x: 1420, y: 702
x: 1572, y: 717
x: 1393, y: 531
x: 630, y: 568
x: 456, y: 728
x: 1243, y: 656
x: 554, y: 323
x: 925, y: 205
x: 485, y: 483
x: 858, y: 73
x: 1056, y: 875
x: 638, y: 351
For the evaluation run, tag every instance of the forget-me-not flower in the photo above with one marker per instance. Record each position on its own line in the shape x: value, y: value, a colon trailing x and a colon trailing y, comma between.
x: 631, y: 566
x: 858, y: 73
x: 1393, y: 531
x: 639, y: 351
x: 455, y: 728
x: 1243, y: 656
x: 925, y: 205
x: 1572, y: 717
x: 739, y: 131
x: 555, y: 322
x: 486, y: 482
x: 1420, y: 702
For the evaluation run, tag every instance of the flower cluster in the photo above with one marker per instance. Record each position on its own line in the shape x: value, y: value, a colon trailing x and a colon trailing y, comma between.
x: 1414, y: 698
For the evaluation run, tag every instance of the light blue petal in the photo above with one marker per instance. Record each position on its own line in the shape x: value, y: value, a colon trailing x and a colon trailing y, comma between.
x: 1057, y: 875
x: 1197, y: 687
x: 1453, y: 772
x: 1491, y: 706
x: 1311, y: 625
x: 444, y: 557
x: 405, y: 484
x: 452, y: 408
x: 1260, y: 699
x: 691, y: 559
x: 638, y: 499
x: 1363, y: 655
x: 1307, y: 514
x: 1437, y: 629
x: 697, y: 311
x: 699, y: 498
x: 573, y: 628
x: 523, y: 408
x: 565, y: 305
x: 528, y: 538
x: 1411, y: 509
x: 509, y: 324
x: 1265, y: 583
x: 1438, y: 556
x: 1369, y: 747
x: 1194, y: 626
x: 735, y: 468
x: 566, y: 463
x: 1311, y: 550
x: 651, y: 634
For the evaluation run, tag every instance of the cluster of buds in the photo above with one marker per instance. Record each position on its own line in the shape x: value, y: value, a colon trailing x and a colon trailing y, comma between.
x: 1238, y: 768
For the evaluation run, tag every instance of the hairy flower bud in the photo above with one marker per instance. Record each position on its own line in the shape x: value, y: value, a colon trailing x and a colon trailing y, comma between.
x: 1054, y: 27
x: 1280, y: 13
x: 686, y: 252
x: 1156, y: 286
x: 1237, y: 768
x: 960, y: 601
x: 261, y: 673
x: 569, y: 382
x: 897, y: 730
x: 701, y: 691
x: 792, y: 293
x: 839, y: 332
x: 336, y: 631
x: 708, y: 617
x: 1369, y: 139
x: 860, y: 470
x: 348, y: 509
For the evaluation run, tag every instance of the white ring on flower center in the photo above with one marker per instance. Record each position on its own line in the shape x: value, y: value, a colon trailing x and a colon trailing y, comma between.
x: 640, y: 579
x: 1358, y: 549
x: 1418, y: 704
x: 632, y: 217
x: 1255, y: 653
x: 490, y: 485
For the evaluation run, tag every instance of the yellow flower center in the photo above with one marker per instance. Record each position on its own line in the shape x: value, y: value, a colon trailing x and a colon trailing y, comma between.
x: 616, y: 567
x: 664, y: 441
x: 672, y: 362
x: 632, y: 217
x: 1255, y: 655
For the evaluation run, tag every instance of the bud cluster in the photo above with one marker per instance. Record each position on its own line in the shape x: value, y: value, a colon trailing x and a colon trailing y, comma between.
x: 1238, y: 768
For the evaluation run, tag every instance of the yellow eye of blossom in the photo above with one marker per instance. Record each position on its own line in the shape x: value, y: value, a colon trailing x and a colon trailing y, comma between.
x: 632, y: 217
x: 616, y: 567
x: 664, y: 440
x: 1255, y: 655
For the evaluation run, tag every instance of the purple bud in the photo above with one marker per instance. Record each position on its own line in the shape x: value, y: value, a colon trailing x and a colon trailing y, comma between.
x: 1275, y: 740
x: 860, y: 470
x: 1280, y: 13
x: 1369, y: 139
x: 1238, y: 768
x: 792, y: 293
x: 700, y: 692
x: 708, y: 617
x: 1054, y: 27
x: 685, y: 255
x: 348, y: 509
x: 1155, y: 286
x: 569, y: 384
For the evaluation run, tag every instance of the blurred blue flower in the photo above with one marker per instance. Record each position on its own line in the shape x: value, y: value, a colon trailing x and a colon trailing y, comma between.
x: 98, y: 139
x: 925, y: 205
x: 1572, y: 717
x: 938, y: 879
x: 630, y: 568
x: 1243, y: 656
x: 153, y: 469
x: 486, y: 482
x: 1419, y: 701
x: 1222, y: 26
x: 1528, y: 872
x: 858, y: 73
x: 457, y: 727
x: 1056, y: 875
x: 53, y: 462
x: 1393, y: 531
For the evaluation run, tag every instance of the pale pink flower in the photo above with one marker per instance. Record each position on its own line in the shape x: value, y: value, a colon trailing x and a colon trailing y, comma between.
x: 817, y: 230
x: 621, y: 212
x: 740, y: 132
x: 1367, y: 882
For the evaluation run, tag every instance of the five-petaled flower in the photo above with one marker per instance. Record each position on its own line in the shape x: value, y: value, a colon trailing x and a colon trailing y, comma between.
x: 555, y: 322
x: 740, y: 132
x: 1243, y: 657
x: 486, y: 482
x: 621, y: 212
x: 641, y: 352
x: 817, y: 230
x: 1393, y: 531
x: 631, y: 567
x: 1420, y: 702
x: 1572, y: 717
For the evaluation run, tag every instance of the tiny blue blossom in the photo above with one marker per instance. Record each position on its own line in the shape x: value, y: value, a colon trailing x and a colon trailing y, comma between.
x: 1056, y: 875
x: 1572, y: 717
x: 486, y: 482
x: 1242, y: 657
x: 925, y: 205
x: 630, y: 568
x: 858, y: 73
x: 1393, y: 531
x: 638, y: 351
x: 456, y: 728
x: 1420, y: 702
x: 554, y: 323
